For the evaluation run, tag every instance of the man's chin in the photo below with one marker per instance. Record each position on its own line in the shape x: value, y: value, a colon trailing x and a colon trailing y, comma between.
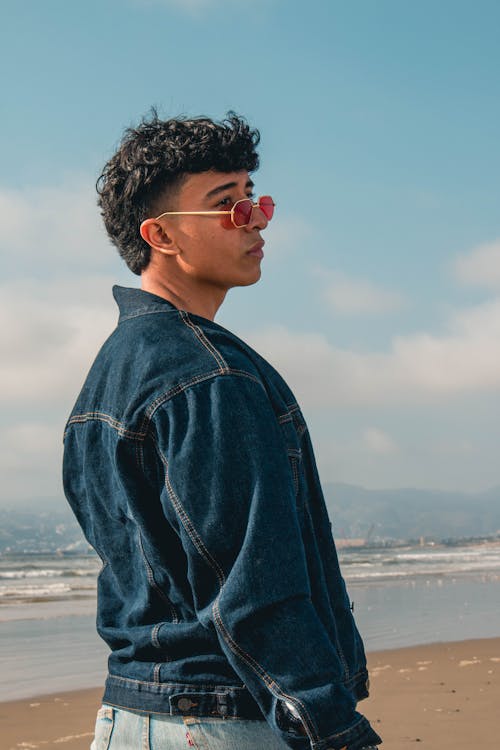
x: 249, y: 280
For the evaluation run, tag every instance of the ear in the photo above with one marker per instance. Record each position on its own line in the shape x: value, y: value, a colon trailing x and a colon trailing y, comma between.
x: 157, y: 236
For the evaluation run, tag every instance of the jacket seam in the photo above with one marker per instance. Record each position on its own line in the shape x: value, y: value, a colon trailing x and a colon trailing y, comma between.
x: 212, y: 562
x: 288, y: 415
x: 141, y: 434
x: 188, y: 687
x: 148, y: 711
x: 340, y: 651
x: 141, y: 313
x: 139, y: 457
x: 223, y: 366
x: 203, y: 551
x: 154, y: 636
x: 295, y: 472
x: 154, y: 585
x: 268, y: 680
x: 99, y: 416
x: 188, y: 524
x: 181, y: 387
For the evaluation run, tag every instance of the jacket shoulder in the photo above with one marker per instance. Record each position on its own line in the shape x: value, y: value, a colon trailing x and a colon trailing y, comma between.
x: 151, y: 358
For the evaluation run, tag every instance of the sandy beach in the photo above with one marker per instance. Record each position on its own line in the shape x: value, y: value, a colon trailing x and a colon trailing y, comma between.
x: 435, y: 697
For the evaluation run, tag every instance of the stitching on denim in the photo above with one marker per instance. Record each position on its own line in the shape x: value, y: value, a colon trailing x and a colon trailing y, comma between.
x: 154, y: 405
x: 152, y: 581
x: 291, y: 416
x: 187, y: 687
x: 156, y: 675
x: 343, y: 659
x: 268, y: 680
x: 195, y: 719
x: 188, y: 524
x: 141, y: 712
x: 295, y: 473
x: 123, y: 318
x: 291, y: 409
x: 145, y: 733
x: 203, y: 340
x: 181, y: 387
x: 102, y: 417
x: 136, y: 451
x: 154, y: 635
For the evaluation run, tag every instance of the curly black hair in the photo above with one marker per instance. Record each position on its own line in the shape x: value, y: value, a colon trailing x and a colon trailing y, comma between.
x: 151, y: 163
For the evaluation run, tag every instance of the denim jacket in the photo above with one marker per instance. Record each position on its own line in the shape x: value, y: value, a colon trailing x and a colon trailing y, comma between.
x: 190, y: 469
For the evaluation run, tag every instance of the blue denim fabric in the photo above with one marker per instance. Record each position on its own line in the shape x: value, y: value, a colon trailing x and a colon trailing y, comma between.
x: 190, y: 469
x: 116, y: 729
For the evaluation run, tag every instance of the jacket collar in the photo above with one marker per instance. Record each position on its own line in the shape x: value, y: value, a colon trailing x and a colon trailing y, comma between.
x: 135, y: 302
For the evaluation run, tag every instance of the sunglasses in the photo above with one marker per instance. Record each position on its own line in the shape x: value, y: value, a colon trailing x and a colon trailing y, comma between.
x: 240, y: 213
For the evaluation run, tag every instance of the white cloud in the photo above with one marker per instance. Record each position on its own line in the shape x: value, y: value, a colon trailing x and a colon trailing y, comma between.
x: 49, y: 334
x: 55, y: 229
x: 481, y: 266
x: 354, y: 296
x: 419, y: 367
x: 378, y: 442
x: 57, y: 307
x: 52, y: 326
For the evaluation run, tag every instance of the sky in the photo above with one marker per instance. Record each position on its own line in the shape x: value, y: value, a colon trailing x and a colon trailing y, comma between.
x: 380, y: 295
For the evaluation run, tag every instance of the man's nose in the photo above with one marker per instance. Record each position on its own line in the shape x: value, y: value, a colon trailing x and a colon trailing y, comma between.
x: 258, y: 219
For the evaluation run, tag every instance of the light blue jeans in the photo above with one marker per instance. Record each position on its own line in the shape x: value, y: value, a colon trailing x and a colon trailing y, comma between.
x: 117, y: 729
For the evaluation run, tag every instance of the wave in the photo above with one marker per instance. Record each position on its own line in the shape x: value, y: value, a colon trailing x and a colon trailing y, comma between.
x: 33, y: 572
x: 35, y: 591
x: 33, y: 579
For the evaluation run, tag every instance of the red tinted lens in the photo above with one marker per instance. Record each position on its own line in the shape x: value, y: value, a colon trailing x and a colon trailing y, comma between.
x: 266, y: 205
x: 242, y: 211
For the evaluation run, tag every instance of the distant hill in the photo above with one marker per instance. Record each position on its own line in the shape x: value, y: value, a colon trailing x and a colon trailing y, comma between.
x: 48, y: 525
x: 411, y: 513
x: 45, y: 526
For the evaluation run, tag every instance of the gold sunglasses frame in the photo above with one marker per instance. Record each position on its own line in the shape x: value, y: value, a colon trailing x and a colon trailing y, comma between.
x: 220, y: 213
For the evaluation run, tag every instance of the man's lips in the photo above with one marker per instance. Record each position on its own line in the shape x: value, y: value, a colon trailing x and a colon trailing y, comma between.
x: 257, y: 249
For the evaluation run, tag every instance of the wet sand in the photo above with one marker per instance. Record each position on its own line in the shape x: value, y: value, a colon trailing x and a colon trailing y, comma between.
x: 435, y: 697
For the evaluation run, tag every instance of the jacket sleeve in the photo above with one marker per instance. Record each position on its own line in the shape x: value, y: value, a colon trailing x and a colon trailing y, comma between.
x: 228, y: 479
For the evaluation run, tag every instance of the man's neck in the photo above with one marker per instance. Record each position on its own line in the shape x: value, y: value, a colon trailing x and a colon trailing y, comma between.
x: 204, y: 305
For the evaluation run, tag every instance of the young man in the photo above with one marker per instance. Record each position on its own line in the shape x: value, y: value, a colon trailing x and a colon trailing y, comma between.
x: 190, y: 469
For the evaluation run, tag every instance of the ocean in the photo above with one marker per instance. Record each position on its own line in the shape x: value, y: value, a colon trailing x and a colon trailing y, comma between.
x: 402, y: 596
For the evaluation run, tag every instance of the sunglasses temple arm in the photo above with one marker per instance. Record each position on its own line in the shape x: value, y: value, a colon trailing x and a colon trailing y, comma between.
x: 190, y: 213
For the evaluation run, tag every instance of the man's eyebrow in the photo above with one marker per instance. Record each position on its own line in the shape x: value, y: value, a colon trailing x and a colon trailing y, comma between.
x: 227, y: 186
